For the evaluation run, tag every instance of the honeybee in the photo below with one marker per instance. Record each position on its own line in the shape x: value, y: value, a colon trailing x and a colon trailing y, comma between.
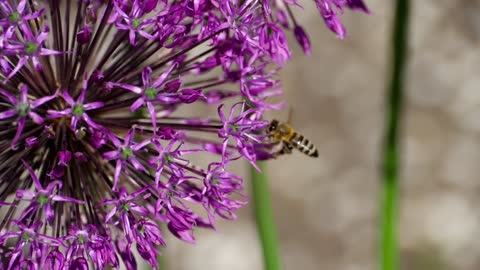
x: 283, y: 133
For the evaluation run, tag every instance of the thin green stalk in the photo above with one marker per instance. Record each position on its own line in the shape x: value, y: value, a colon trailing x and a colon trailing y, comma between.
x: 264, y: 218
x: 391, y: 150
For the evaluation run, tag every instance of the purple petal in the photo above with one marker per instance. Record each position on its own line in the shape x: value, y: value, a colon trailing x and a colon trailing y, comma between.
x: 36, y: 118
x: 132, y: 88
x: 358, y: 5
x: 141, y: 145
x: 7, y: 114
x: 66, y: 96
x: 153, y: 116
x: 39, y: 102
x: 60, y: 198
x: 21, y: 125
x: 64, y: 157
x: 48, y: 210
x: 19, y: 65
x: 93, y: 106
x: 45, y: 51
x: 147, y: 76
x: 137, y: 104
x: 36, y: 182
x: 111, y: 155
x: 116, y: 176
x: 25, y: 194
x: 57, y: 114
x: 136, y: 164
x: 302, y: 39
x: 90, y: 122
x: 79, y: 264
x: 161, y: 79
x: 12, y: 99
x: 74, y: 122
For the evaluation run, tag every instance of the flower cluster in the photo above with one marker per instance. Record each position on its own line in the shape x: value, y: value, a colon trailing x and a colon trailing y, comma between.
x: 96, y: 153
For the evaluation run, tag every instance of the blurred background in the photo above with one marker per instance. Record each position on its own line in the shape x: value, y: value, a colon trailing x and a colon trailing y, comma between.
x: 326, y: 208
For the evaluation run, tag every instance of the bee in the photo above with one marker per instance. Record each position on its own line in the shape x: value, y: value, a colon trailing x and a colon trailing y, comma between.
x: 283, y: 133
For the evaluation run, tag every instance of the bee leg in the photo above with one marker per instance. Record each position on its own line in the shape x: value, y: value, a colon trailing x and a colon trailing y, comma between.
x: 286, y: 149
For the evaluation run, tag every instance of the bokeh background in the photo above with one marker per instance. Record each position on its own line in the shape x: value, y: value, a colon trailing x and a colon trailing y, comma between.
x: 327, y: 208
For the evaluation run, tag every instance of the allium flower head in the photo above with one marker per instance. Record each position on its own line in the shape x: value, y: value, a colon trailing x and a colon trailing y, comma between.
x: 95, y: 152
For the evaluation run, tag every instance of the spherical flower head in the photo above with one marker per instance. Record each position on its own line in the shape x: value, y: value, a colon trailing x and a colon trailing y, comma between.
x: 97, y: 149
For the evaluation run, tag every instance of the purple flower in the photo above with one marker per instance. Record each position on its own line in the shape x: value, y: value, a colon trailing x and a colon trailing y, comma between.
x: 94, y: 104
x: 22, y: 108
x: 78, y: 108
x: 124, y: 153
x: 43, y: 197
x: 16, y: 16
x: 29, y: 48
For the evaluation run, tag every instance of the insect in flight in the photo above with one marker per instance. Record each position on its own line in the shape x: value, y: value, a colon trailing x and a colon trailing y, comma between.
x: 283, y: 133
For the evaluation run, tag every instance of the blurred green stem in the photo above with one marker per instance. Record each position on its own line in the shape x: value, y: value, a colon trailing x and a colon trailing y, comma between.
x: 264, y: 218
x: 391, y: 150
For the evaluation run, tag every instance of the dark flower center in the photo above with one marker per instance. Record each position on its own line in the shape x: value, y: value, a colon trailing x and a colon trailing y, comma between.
x: 23, y: 109
x: 81, y: 239
x: 125, y: 207
x: 26, y: 237
x: 127, y: 153
x: 14, y: 17
x: 151, y: 93
x: 136, y: 22
x: 42, y: 199
x: 168, y: 158
x: 169, y: 41
x: 31, y: 47
x: 78, y: 109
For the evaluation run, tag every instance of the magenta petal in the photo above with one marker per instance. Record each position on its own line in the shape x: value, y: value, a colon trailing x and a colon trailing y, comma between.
x: 7, y: 114
x: 302, y: 39
x: 183, y: 235
x: 92, y: 106
x: 60, y: 198
x: 141, y: 145
x: 146, y: 76
x: 134, y: 89
x: 36, y: 118
x: 11, y: 98
x: 57, y: 114
x: 90, y: 122
x: 66, y: 96
x: 64, y: 157
x: 55, y: 260
x: 21, y: 125
x: 136, y: 164
x: 42, y: 100
x: 25, y: 194
x: 111, y: 155
x: 79, y: 264
x: 17, y: 68
x: 116, y: 176
x: 110, y: 215
x: 48, y: 211
x: 137, y: 104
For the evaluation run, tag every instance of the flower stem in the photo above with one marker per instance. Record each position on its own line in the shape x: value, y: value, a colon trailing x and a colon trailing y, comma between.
x: 264, y: 218
x: 391, y: 150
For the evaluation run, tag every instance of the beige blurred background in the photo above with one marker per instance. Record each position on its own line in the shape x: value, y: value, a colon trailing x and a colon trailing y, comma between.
x: 326, y: 208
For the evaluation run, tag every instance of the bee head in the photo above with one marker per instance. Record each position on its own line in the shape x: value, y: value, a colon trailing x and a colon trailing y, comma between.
x: 273, y: 126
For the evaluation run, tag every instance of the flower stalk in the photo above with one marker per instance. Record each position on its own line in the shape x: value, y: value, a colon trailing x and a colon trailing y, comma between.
x: 391, y: 149
x: 264, y: 218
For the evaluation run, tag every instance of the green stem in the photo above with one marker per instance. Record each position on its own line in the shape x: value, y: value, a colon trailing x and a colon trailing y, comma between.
x: 264, y: 218
x: 391, y: 150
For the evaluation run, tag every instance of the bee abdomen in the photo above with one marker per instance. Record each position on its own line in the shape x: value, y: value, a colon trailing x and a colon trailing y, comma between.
x: 305, y: 146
